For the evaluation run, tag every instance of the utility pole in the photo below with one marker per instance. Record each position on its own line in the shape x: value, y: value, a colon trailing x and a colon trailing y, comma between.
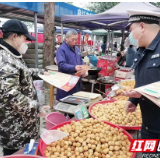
x: 49, y: 16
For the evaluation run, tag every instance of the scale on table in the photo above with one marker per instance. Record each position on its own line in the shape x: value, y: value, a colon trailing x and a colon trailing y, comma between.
x: 69, y: 103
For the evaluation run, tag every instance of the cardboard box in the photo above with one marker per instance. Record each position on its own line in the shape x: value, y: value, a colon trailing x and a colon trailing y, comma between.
x: 123, y: 74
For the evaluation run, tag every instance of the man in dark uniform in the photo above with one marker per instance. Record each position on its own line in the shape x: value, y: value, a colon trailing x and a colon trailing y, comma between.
x: 145, y: 34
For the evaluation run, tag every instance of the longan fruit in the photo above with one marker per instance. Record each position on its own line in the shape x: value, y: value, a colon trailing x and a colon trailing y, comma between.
x: 53, y: 145
x: 80, y: 140
x: 110, y: 143
x: 130, y: 154
x: 105, y: 151
x: 124, y: 143
x: 108, y: 156
x: 77, y: 153
x: 80, y: 149
x: 65, y: 147
x: 110, y: 138
x: 81, y: 155
x: 69, y: 154
x: 53, y: 156
x: 97, y: 139
x: 111, y: 148
x: 107, y: 140
x: 72, y: 152
x: 117, y: 143
x: 47, y: 154
x: 69, y: 149
x: 98, y: 149
x: 72, y: 148
x: 65, y: 152
x: 90, y: 152
x: 85, y: 148
x: 103, y: 140
x: 53, y: 149
x: 115, y: 139
x: 117, y: 153
x: 103, y: 146
x: 103, y: 156
x: 84, y: 144
x: 111, y: 153
x: 96, y: 154
x: 65, y: 138
x: 86, y: 154
x: 92, y: 141
x: 49, y: 148
x: 89, y: 146
x: 78, y: 131
x: 116, y: 148
x: 78, y: 157
x: 84, y: 138
x: 49, y: 144
x: 93, y: 147
x: 77, y: 139
x: 88, y: 140
x: 78, y: 144
x: 77, y: 149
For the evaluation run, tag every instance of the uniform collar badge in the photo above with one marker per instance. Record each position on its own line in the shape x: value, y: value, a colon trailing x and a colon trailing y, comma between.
x: 155, y: 56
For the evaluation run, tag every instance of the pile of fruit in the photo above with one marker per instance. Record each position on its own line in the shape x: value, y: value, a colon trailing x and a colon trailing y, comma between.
x: 115, y: 113
x: 90, y: 138
x: 123, y: 98
x: 129, y: 84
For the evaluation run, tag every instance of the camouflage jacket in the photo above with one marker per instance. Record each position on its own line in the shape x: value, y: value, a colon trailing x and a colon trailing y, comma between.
x: 18, y: 100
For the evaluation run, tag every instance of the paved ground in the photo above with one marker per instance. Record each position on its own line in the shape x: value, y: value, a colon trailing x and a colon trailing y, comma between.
x: 1, y: 152
x: 139, y: 155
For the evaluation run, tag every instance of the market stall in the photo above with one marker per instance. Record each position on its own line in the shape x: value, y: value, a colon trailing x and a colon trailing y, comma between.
x: 113, y: 19
x: 100, y: 127
x: 115, y: 36
x: 109, y: 18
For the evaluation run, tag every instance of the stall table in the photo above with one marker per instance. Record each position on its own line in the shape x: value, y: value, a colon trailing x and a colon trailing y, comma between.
x: 93, y: 82
x: 131, y: 132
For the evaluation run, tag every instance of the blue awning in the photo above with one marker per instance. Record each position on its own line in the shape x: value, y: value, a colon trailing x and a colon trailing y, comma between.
x: 25, y: 10
x: 31, y: 6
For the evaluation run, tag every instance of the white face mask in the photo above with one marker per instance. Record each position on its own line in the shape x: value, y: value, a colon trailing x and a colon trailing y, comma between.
x: 133, y: 41
x: 23, y: 48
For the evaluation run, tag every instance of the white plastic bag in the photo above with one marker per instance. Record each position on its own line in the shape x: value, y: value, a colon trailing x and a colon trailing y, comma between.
x: 39, y: 88
x: 41, y: 96
x: 38, y: 84
x: 50, y: 136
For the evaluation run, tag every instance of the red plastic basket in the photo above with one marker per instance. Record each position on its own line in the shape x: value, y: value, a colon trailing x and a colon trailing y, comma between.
x: 111, y: 101
x: 42, y: 145
x: 22, y: 156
